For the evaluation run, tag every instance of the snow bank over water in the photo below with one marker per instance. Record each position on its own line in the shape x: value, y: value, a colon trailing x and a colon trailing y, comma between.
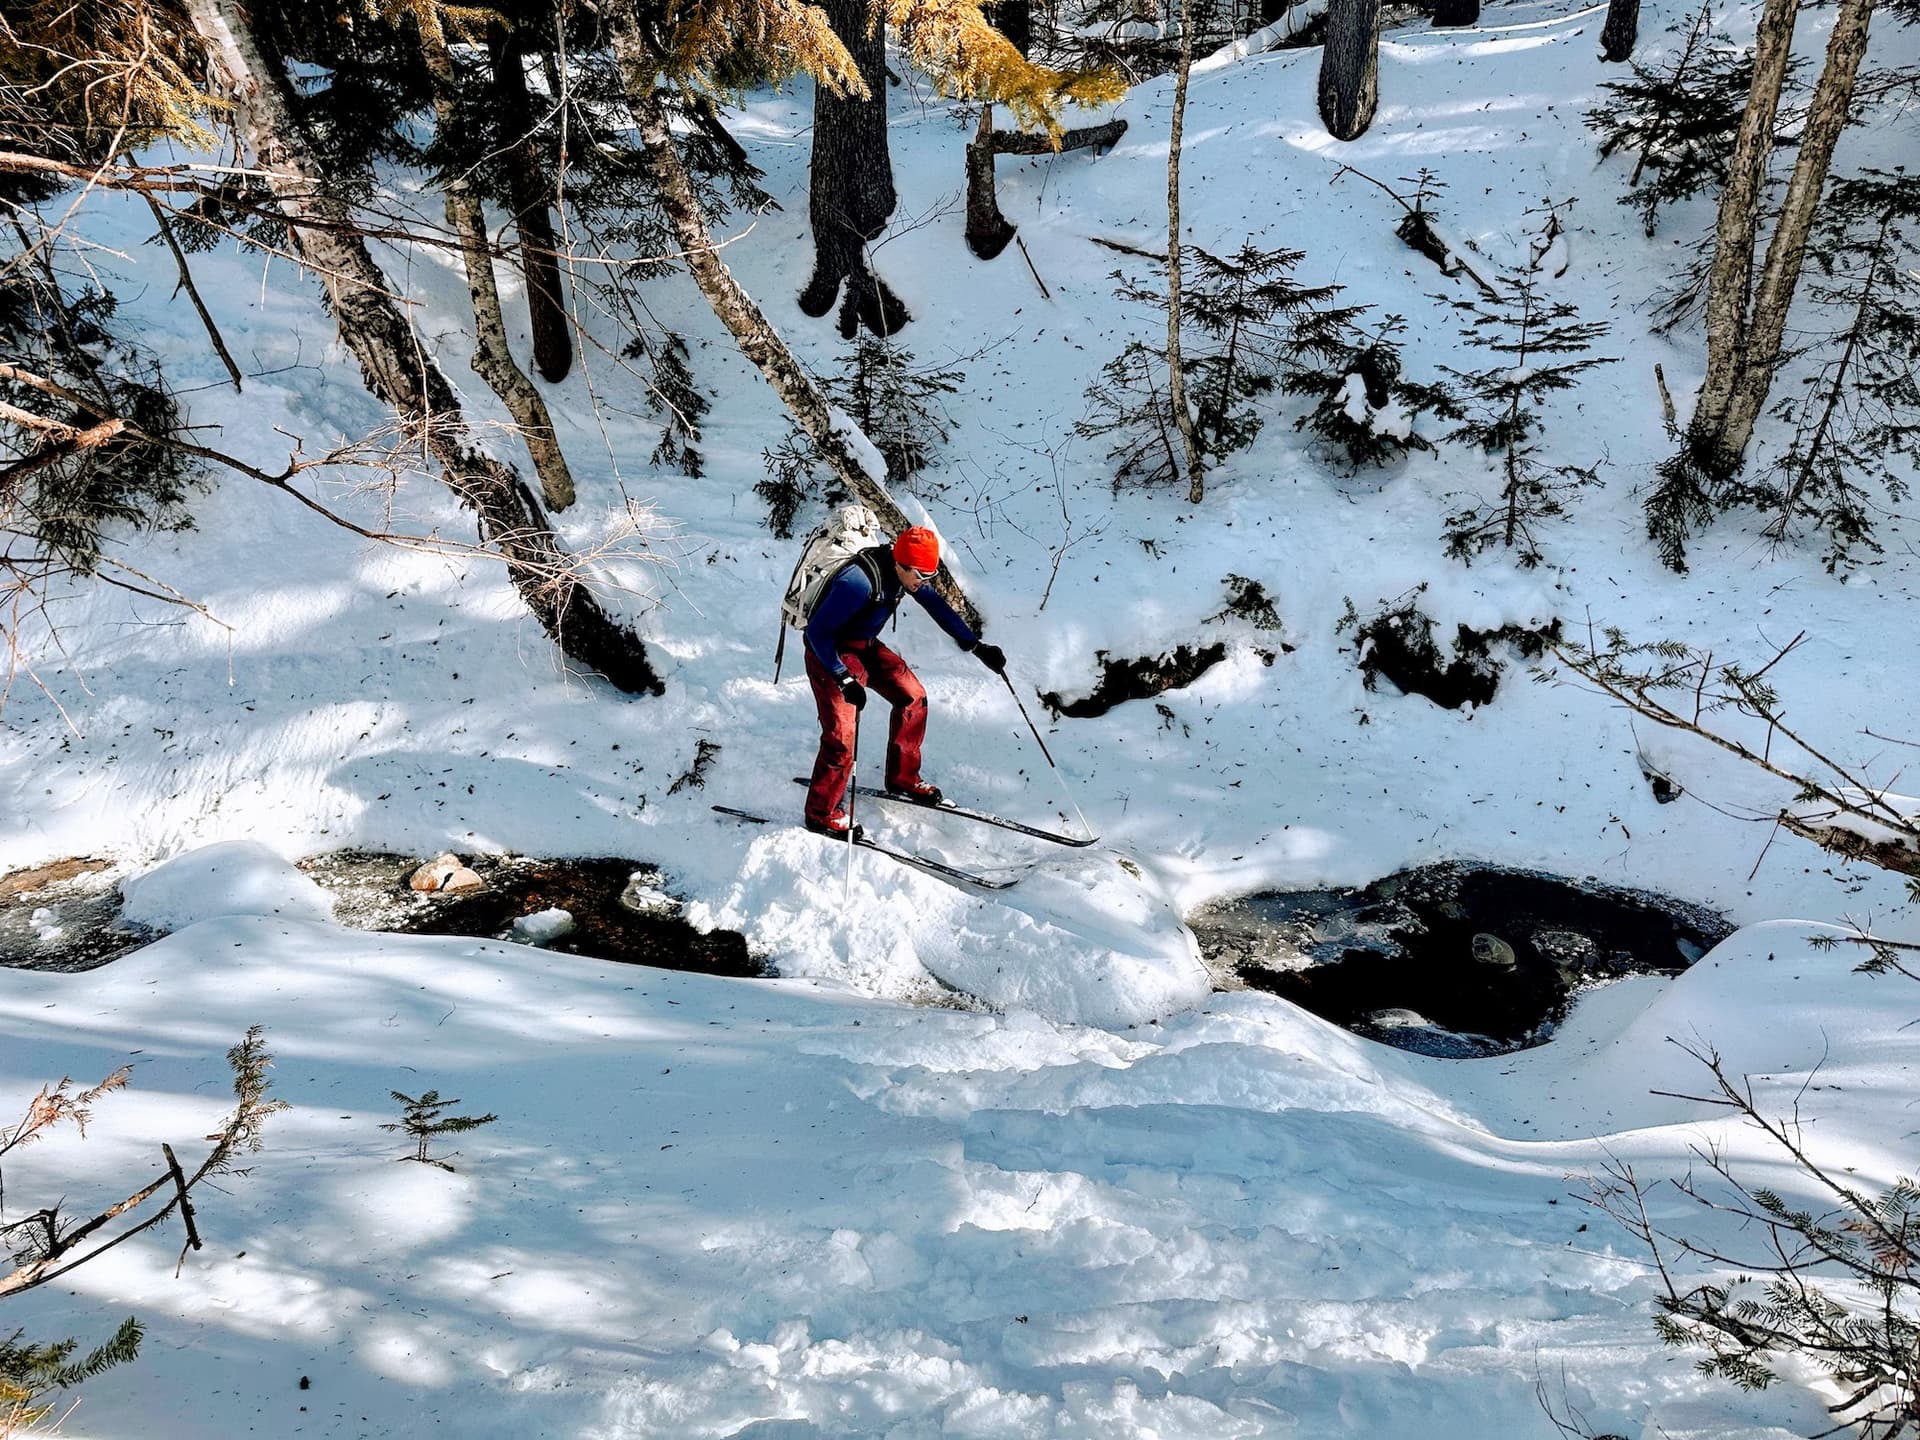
x: 1085, y: 937
x: 235, y: 877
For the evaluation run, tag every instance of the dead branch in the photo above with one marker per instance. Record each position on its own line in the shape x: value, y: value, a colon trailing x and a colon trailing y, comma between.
x: 193, y: 291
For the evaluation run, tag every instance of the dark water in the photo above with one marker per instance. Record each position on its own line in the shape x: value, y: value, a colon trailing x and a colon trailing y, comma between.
x: 1457, y: 960
x: 66, y: 916
x: 371, y: 893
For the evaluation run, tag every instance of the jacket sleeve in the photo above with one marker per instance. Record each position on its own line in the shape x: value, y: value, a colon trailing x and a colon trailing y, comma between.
x: 849, y: 590
x: 949, y: 621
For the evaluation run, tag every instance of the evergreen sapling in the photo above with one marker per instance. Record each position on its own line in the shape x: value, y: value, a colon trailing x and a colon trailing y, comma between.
x: 897, y: 406
x: 1856, y: 416
x: 1366, y: 408
x: 1678, y: 118
x: 424, y: 1120
x: 1246, y: 324
x: 1536, y: 339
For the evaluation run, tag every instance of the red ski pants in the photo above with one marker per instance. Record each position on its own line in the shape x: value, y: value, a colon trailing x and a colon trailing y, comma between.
x: 884, y: 673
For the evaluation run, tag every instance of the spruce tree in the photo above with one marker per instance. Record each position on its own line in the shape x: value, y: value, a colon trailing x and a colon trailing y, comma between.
x: 89, y: 437
x: 1350, y: 68
x: 1247, y: 323
x: 897, y: 405
x: 1856, y: 416
x: 425, y: 1120
x: 1677, y: 118
x: 1540, y: 347
x: 1365, y: 406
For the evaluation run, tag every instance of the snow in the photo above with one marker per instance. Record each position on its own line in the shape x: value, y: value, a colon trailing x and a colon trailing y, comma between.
x: 543, y: 927
x: 978, y: 1164
x: 235, y: 877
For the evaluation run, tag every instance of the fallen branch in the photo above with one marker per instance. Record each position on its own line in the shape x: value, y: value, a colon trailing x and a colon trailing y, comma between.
x: 193, y: 292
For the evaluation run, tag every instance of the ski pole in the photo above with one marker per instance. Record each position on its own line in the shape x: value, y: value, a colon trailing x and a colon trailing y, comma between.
x: 853, y: 791
x: 1046, y: 752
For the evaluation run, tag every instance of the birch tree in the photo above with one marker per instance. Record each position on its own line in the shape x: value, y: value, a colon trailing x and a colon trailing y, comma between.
x: 397, y: 368
x: 1745, y: 324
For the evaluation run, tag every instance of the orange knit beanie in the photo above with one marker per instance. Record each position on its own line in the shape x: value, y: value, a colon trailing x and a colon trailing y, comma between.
x: 918, y: 549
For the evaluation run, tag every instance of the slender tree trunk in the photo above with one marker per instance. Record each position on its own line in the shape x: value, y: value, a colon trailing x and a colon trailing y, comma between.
x: 1176, y: 369
x: 757, y: 339
x: 492, y: 358
x: 850, y: 190
x: 1456, y: 12
x: 396, y: 365
x: 1350, y: 68
x: 1735, y: 235
x: 1621, y: 30
x: 1780, y: 276
x: 532, y: 201
x: 988, y: 232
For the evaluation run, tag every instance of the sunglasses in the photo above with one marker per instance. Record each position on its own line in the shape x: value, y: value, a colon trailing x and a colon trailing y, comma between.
x: 923, y: 574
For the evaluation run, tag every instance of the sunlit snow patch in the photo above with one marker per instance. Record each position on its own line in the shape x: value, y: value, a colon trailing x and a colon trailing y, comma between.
x: 1087, y: 938
x: 236, y: 877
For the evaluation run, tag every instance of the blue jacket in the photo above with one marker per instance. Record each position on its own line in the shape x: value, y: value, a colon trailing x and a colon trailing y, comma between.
x: 849, y: 609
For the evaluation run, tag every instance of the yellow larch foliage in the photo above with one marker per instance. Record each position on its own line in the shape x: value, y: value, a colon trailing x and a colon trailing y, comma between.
x: 437, y: 20
x: 952, y: 41
x: 691, y: 37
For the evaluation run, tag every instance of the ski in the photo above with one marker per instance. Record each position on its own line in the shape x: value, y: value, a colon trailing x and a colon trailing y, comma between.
x: 947, y: 807
x: 904, y: 857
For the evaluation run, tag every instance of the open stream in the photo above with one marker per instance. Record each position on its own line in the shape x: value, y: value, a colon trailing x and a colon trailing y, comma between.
x: 1454, y: 959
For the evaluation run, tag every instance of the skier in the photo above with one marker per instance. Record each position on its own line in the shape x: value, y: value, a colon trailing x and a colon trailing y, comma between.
x: 845, y: 658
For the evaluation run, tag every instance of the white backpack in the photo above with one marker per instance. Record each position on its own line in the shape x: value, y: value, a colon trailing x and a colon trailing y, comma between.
x: 848, y: 531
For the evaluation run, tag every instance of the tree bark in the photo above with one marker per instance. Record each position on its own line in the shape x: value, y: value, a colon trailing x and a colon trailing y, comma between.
x: 1735, y: 235
x: 396, y: 365
x: 850, y: 190
x: 1617, y: 36
x: 757, y: 339
x: 988, y: 231
x: 531, y: 199
x: 1456, y: 12
x: 1780, y: 276
x: 1013, y: 19
x: 1350, y: 68
x: 1176, y: 369
x: 492, y: 357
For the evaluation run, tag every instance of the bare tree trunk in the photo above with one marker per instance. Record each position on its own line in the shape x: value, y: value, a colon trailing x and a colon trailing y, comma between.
x: 532, y: 202
x: 397, y: 368
x: 1780, y: 276
x: 850, y: 190
x: 1350, y: 68
x: 1621, y: 30
x: 1176, y: 372
x: 1456, y: 12
x: 757, y: 339
x: 1735, y: 236
x: 988, y: 232
x: 492, y: 358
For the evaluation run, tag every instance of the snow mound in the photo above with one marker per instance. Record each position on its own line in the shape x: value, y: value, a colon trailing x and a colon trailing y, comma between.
x: 235, y: 877
x: 1088, y: 939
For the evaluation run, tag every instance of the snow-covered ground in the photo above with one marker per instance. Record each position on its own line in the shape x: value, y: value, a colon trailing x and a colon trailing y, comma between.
x: 1107, y: 1202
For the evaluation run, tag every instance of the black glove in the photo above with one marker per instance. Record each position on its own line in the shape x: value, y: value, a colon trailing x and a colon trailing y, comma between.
x: 855, y: 692
x: 991, y: 656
